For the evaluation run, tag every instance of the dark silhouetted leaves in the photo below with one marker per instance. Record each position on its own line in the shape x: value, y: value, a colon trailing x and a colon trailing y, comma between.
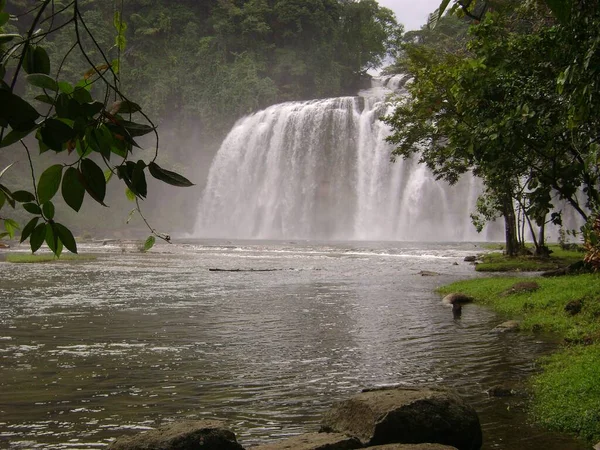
x: 32, y: 208
x: 52, y: 240
x: 66, y: 237
x: 37, y: 237
x: 168, y: 177
x: 56, y: 133
x: 93, y: 180
x: 29, y: 228
x: 23, y: 196
x: 48, y: 210
x: 49, y: 183
x: 13, y: 136
x: 15, y: 111
x: 43, y: 81
x: 73, y: 191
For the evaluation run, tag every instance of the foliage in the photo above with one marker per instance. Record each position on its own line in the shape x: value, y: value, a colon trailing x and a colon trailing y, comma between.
x: 488, y: 112
x: 592, y: 243
x: 92, y: 139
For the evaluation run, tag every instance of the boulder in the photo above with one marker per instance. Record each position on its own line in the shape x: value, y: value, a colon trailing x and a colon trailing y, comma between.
x: 412, y: 447
x: 427, y: 273
x: 314, y: 441
x: 508, y: 326
x: 185, y: 435
x: 457, y: 298
x: 407, y: 416
x: 470, y: 258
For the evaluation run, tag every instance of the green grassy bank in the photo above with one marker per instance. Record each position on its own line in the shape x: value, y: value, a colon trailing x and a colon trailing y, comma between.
x: 498, y: 262
x: 566, y: 394
x: 28, y: 258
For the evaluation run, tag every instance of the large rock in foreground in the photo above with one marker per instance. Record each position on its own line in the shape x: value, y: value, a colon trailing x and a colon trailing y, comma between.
x: 412, y: 447
x: 187, y: 435
x: 314, y: 441
x: 408, y: 416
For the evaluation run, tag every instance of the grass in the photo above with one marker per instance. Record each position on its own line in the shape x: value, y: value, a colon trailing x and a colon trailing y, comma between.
x: 26, y: 258
x: 566, y: 394
x: 497, y: 262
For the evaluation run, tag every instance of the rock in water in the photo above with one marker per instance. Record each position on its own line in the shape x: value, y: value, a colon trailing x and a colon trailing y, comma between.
x: 457, y: 298
x: 407, y: 415
x: 187, y: 435
x: 508, y: 326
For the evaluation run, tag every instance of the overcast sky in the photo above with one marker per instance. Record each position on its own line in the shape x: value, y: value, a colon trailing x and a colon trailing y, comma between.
x: 411, y: 13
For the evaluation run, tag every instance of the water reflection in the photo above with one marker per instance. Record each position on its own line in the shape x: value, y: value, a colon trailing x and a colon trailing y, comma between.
x: 96, y: 349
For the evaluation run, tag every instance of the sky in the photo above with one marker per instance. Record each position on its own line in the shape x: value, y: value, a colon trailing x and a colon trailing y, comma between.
x: 411, y: 13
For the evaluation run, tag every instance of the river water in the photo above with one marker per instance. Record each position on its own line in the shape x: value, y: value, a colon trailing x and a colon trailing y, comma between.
x: 93, y: 350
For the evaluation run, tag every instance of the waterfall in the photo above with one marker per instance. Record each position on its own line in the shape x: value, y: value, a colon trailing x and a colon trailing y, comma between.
x: 321, y: 169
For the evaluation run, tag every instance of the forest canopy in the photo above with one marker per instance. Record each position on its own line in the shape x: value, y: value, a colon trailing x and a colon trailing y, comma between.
x: 91, y: 80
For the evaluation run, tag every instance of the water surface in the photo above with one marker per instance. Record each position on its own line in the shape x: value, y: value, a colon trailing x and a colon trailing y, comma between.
x: 95, y: 349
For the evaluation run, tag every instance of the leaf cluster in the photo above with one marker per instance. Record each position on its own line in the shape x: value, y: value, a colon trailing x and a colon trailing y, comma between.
x: 95, y: 138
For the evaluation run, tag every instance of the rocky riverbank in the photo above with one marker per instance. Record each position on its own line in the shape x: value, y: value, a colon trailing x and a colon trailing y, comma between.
x: 427, y: 418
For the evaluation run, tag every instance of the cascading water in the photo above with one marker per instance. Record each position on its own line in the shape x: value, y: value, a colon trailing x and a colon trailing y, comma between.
x: 321, y: 170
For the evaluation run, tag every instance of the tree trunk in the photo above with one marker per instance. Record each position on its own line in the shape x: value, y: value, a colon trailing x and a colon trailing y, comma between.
x: 510, y: 227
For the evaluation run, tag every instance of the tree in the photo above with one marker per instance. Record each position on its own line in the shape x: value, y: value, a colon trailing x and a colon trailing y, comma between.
x: 490, y: 112
x: 92, y: 139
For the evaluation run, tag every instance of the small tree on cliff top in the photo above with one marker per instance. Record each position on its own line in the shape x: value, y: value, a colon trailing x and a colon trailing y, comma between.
x: 93, y: 138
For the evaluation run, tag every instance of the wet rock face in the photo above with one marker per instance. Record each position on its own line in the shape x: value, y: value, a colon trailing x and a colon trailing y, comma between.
x: 187, y: 435
x: 407, y: 416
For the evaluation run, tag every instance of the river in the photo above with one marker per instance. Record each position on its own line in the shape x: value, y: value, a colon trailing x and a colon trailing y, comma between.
x: 91, y: 350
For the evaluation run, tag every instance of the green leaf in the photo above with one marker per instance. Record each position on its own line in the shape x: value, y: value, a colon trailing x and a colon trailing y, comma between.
x: 136, y: 129
x: 32, y: 208
x: 29, y: 228
x: 55, y: 133
x: 125, y: 107
x: 10, y: 226
x: 52, y: 239
x: 37, y: 237
x: 168, y: 177
x: 19, y: 114
x: 14, y: 137
x: 2, y: 199
x: 82, y: 96
x: 72, y: 190
x: 49, y: 183
x: 23, y: 196
x: 7, y: 195
x: 41, y: 61
x: 4, y: 18
x: 138, y: 179
x: 48, y: 210
x: 149, y: 243
x: 129, y: 194
x: 45, y: 99
x: 65, y: 87
x: 93, y: 180
x: 66, y: 237
x: 108, y: 175
x: 43, y: 81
